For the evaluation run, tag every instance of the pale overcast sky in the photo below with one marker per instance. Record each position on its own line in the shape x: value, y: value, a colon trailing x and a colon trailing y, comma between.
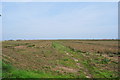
x: 60, y: 20
x: 0, y: 21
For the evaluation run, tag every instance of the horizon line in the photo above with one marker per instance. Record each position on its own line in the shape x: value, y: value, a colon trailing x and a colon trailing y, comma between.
x: 57, y: 39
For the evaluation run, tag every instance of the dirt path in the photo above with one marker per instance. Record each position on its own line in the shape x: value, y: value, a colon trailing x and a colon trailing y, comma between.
x: 79, y: 65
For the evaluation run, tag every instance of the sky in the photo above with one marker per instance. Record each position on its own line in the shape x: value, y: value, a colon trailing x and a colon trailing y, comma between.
x: 59, y: 20
x: 0, y: 21
x: 60, y: 0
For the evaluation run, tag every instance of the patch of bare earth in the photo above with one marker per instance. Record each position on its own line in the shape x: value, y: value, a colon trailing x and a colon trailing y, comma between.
x: 20, y: 47
x: 65, y: 69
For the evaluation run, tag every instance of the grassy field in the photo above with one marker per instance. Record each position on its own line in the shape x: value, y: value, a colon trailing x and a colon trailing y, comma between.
x: 60, y: 59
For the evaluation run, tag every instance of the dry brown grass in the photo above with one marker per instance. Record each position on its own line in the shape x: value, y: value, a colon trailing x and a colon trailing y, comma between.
x: 94, y: 46
x: 40, y: 55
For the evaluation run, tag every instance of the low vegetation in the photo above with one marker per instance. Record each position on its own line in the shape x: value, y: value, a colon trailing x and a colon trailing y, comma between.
x: 60, y: 59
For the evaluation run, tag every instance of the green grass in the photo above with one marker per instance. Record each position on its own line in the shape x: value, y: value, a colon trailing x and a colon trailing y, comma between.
x: 60, y: 47
x: 86, y: 62
x: 66, y: 60
x: 0, y: 68
x: 31, y: 45
x: 68, y: 63
x: 11, y: 72
x: 96, y: 72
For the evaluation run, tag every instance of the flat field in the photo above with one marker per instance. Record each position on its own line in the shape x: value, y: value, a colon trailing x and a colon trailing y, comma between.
x: 60, y: 59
